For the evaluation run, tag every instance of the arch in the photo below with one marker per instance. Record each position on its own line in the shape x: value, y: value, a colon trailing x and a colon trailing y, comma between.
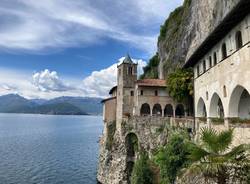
x: 179, y: 111
x: 216, y: 109
x: 224, y: 51
x: 238, y: 40
x: 239, y: 104
x: 201, y: 108
x: 145, y: 110
x: 132, y: 144
x: 157, y: 111
x: 168, y: 111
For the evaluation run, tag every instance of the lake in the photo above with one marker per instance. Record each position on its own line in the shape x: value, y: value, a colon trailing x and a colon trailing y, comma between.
x: 41, y: 149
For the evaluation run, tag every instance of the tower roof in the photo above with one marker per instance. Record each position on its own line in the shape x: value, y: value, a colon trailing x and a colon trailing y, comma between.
x: 128, y: 59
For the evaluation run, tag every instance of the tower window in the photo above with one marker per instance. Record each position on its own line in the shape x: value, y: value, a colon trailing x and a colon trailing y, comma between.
x: 224, y: 91
x: 215, y: 58
x: 238, y: 40
x: 224, y: 51
x: 156, y: 93
x: 131, y: 93
x: 130, y: 70
x: 141, y: 92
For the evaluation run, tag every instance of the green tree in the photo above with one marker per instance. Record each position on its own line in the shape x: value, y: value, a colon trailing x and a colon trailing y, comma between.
x: 142, y: 173
x: 173, y: 157
x: 151, y: 70
x: 180, y: 84
x: 216, y: 161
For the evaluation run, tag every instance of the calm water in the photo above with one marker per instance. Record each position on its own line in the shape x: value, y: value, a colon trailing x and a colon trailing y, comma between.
x: 39, y: 149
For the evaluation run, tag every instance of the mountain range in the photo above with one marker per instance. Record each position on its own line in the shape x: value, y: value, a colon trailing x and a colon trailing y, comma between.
x: 65, y: 105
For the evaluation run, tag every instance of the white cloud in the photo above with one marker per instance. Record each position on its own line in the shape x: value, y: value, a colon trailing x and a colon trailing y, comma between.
x: 48, y: 84
x: 100, y: 82
x: 49, y: 81
x: 40, y: 25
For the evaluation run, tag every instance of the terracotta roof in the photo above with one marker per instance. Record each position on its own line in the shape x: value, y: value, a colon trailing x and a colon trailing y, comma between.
x: 112, y: 90
x: 107, y: 99
x: 152, y: 82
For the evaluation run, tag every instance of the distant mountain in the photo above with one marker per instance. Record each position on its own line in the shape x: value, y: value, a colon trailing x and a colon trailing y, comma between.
x: 62, y: 105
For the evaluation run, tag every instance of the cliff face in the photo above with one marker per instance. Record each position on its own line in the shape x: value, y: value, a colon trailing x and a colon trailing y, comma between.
x: 186, y: 28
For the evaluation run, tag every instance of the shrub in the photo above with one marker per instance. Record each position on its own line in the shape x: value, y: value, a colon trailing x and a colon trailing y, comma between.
x: 173, y: 157
x: 142, y: 173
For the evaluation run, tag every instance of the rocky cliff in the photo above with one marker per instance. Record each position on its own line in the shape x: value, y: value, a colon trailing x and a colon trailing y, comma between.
x: 186, y: 28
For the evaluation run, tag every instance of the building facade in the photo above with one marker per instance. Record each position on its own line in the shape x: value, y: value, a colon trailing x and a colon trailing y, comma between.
x: 222, y: 68
x: 133, y: 97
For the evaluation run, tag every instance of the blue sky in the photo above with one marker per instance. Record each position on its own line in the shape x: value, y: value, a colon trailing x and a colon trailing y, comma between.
x: 52, y: 48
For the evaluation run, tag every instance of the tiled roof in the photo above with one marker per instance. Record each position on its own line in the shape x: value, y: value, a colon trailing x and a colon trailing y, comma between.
x: 112, y: 90
x: 107, y: 99
x: 152, y: 82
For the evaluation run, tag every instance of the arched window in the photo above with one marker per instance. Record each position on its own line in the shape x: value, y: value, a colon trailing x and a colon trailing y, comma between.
x: 201, y: 109
x: 130, y: 70
x: 179, y: 111
x: 157, y: 111
x: 204, y: 66
x: 198, y: 71
x: 145, y: 110
x: 210, y: 62
x: 224, y: 51
x: 168, y: 111
x: 216, y: 107
x: 215, y: 58
x: 206, y: 95
x: 238, y: 40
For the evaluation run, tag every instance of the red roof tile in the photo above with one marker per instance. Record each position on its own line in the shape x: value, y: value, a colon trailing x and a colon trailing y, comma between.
x: 152, y: 82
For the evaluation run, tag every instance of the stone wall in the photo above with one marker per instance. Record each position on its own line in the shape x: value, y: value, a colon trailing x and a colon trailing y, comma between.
x: 151, y: 133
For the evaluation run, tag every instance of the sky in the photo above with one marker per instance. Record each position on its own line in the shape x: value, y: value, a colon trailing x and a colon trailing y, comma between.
x: 53, y: 48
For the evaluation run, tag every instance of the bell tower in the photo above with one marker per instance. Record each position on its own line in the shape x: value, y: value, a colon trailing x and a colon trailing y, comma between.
x: 126, y: 79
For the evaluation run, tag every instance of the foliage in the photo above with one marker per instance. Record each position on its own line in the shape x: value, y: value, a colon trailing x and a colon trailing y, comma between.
x: 215, y: 161
x: 180, y: 84
x: 173, y: 157
x: 151, y: 70
x: 172, y: 25
x: 217, y: 121
x: 110, y: 134
x: 142, y: 173
x: 239, y: 121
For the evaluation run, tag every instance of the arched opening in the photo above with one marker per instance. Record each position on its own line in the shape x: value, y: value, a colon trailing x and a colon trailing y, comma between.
x: 131, y: 143
x: 238, y: 40
x: 239, y: 104
x: 201, y: 108
x: 224, y: 51
x: 179, y: 111
x: 157, y: 111
x: 216, y: 107
x: 168, y: 111
x: 145, y: 110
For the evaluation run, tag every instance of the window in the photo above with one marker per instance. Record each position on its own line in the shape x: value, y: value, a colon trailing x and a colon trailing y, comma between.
x: 131, y: 93
x: 215, y: 58
x: 238, y: 40
x: 141, y: 92
x: 224, y: 91
x: 224, y: 51
x: 210, y: 62
x: 206, y: 95
x: 198, y: 71
x: 156, y: 93
x: 204, y: 66
x: 130, y: 70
